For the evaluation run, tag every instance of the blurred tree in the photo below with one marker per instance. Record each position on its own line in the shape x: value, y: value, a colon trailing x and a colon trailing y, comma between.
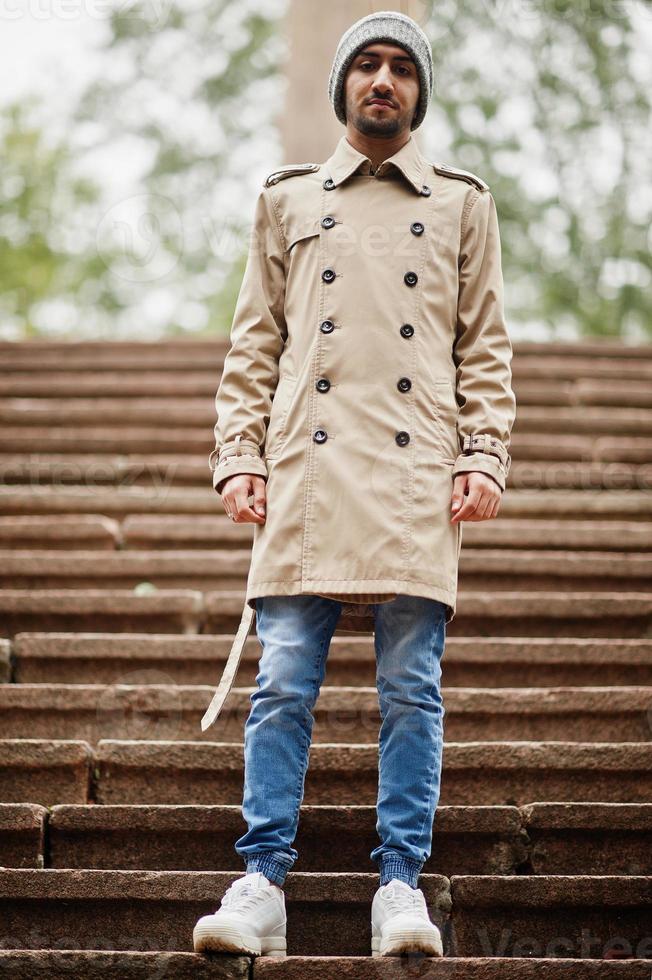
x: 550, y: 103
x: 38, y: 265
x: 137, y: 223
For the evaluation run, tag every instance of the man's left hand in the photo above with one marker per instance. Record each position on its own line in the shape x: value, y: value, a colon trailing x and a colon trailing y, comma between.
x: 476, y: 497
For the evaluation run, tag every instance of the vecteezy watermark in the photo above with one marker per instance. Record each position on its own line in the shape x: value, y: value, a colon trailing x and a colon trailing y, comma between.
x: 584, y: 945
x: 114, y: 474
x: 143, y: 704
x: 140, y: 238
x: 153, y: 14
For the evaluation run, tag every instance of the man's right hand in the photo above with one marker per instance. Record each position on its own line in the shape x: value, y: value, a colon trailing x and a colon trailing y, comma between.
x: 235, y: 495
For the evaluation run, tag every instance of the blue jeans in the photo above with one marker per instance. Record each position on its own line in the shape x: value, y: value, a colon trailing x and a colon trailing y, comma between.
x: 295, y: 632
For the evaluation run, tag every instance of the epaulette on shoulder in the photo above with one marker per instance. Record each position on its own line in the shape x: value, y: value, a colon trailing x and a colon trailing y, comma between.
x: 446, y: 171
x: 289, y: 171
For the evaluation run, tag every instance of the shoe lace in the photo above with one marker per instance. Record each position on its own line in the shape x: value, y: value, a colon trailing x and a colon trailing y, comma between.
x: 241, y: 896
x: 399, y: 900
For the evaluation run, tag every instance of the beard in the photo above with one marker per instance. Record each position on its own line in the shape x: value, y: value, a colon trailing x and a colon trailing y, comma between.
x: 370, y: 125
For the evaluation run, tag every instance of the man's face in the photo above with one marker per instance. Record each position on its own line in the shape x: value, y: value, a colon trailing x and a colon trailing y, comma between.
x: 381, y: 90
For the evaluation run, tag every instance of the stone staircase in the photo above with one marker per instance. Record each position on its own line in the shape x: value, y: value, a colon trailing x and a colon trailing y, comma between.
x: 121, y: 585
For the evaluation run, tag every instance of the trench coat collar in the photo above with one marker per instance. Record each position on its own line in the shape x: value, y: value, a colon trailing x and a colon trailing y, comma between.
x: 346, y: 160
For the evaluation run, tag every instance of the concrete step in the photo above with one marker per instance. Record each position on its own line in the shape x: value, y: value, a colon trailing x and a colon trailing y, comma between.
x: 166, y: 569
x: 605, y: 389
x: 143, y: 470
x: 199, y: 343
x: 93, y: 531
x: 157, y: 910
x: 560, y: 367
x: 586, y: 838
x: 563, y: 382
x: 96, y: 965
x: 583, y: 917
x: 474, y: 773
x: 173, y: 412
x: 534, y: 614
x: 546, y: 838
x: 179, y: 531
x: 45, y: 771
x: 84, y: 531
x: 107, y: 439
x: 479, y: 773
x: 179, y: 470
x: 102, y: 439
x: 590, y: 504
x: 470, y: 840
x: 561, y: 447
x: 56, y: 964
x: 142, y: 709
x: 487, y: 662
x: 23, y: 829
x: 194, y: 568
x: 162, y: 611
x: 537, y: 838
x: 23, y: 388
x: 591, y: 420
x: 584, y: 391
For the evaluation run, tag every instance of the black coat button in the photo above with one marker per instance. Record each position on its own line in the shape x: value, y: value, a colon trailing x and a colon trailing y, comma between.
x: 329, y: 184
x: 328, y: 221
x: 327, y: 326
x: 323, y: 384
x: 402, y: 438
x: 426, y: 191
x: 410, y: 278
x: 403, y: 384
x: 406, y: 330
x: 328, y: 275
x: 416, y: 228
x: 320, y: 436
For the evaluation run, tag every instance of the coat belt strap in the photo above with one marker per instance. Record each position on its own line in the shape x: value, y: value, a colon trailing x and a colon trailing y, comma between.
x: 230, y: 670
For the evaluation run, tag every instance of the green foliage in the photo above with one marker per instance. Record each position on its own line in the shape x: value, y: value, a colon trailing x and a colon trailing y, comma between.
x: 548, y: 103
x: 564, y: 89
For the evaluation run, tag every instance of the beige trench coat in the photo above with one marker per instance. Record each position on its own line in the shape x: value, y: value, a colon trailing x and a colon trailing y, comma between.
x: 369, y: 364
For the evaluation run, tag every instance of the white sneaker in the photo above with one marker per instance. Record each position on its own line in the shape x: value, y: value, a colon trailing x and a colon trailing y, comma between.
x: 400, y: 922
x: 251, y: 919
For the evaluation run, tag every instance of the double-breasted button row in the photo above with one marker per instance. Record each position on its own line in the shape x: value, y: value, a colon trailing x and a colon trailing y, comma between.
x: 407, y: 330
x: 402, y: 438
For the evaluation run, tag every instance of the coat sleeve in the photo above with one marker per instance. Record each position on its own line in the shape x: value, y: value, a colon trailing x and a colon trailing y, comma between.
x: 482, y: 349
x: 258, y: 334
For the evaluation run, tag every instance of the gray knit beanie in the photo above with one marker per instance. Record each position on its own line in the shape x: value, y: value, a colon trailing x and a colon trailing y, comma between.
x: 396, y: 28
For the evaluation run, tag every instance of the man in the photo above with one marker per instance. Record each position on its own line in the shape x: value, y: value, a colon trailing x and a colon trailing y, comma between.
x: 366, y: 407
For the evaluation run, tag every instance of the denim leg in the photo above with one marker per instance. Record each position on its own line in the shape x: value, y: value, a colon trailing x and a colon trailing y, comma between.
x: 295, y: 633
x: 409, y: 640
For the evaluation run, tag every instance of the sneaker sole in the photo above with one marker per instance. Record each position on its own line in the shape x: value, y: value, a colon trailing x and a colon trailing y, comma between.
x: 228, y: 940
x: 407, y: 941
